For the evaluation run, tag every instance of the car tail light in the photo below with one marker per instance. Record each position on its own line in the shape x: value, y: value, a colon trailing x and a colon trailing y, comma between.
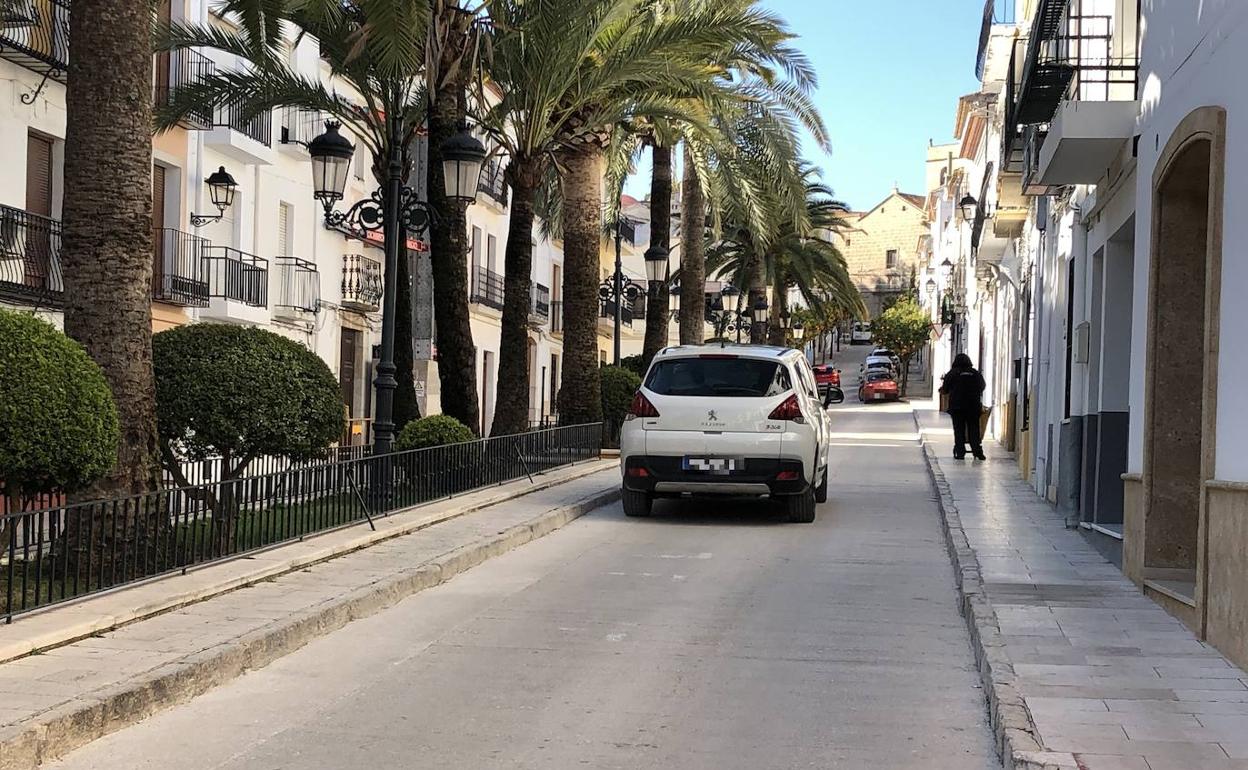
x: 641, y: 407
x: 789, y: 409
x: 786, y: 476
x: 637, y: 472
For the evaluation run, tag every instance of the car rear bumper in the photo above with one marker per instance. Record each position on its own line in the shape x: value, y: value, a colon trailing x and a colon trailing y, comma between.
x: 761, y: 476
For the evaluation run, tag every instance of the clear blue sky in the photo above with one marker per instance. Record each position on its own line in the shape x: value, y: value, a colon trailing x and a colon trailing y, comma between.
x: 890, y: 74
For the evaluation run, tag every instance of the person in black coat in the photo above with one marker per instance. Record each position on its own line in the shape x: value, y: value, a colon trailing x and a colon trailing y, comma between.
x: 964, y: 386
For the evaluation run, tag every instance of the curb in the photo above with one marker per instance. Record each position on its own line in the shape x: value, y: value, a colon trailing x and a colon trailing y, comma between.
x: 1017, y: 738
x: 75, y: 724
x: 171, y: 596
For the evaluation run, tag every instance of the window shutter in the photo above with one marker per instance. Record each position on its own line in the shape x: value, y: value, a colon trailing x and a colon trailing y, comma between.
x: 283, y: 229
x: 39, y: 175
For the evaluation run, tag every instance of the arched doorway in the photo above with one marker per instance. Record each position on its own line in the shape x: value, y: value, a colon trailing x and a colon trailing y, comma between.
x: 1182, y: 367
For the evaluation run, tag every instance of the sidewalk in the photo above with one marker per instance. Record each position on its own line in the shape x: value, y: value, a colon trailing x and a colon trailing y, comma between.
x: 64, y: 696
x: 1084, y: 671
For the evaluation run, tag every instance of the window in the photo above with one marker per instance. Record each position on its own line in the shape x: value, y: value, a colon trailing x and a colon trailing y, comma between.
x: 723, y: 377
x: 491, y: 254
x: 475, y: 249
x: 890, y: 259
x: 283, y: 229
x: 39, y: 175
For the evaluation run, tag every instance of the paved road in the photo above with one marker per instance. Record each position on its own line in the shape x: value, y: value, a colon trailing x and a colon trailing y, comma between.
x: 710, y: 636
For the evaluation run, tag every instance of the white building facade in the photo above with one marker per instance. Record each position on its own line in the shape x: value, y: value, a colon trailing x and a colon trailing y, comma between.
x: 1107, y: 149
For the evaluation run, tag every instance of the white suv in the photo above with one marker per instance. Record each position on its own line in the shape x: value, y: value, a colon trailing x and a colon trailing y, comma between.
x: 727, y: 420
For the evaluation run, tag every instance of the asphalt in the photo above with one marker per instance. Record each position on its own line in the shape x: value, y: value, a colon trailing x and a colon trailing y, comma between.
x: 709, y: 636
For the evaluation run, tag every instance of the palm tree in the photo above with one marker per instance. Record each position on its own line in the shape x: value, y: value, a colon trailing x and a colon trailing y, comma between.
x: 107, y: 235
x: 569, y: 70
x: 798, y: 256
x: 387, y: 58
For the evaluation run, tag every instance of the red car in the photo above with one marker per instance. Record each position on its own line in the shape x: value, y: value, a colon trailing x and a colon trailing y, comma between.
x: 826, y: 375
x: 878, y: 385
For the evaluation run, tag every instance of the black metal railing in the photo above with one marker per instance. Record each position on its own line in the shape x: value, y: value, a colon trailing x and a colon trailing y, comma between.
x: 493, y: 181
x: 628, y: 231
x: 35, y: 34
x: 214, y: 470
x: 236, y: 275
x: 361, y: 282
x: 487, y: 288
x: 541, y: 302
x: 298, y: 285
x: 629, y: 310
x: 300, y: 126
x: 178, y: 274
x: 178, y: 69
x: 30, y: 258
x: 258, y: 127
x: 556, y: 317
x: 57, y: 554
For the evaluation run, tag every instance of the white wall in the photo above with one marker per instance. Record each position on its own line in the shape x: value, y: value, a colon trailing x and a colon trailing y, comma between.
x: 1194, y: 55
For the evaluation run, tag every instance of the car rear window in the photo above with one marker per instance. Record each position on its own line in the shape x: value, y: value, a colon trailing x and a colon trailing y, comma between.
x: 722, y: 377
x: 878, y: 376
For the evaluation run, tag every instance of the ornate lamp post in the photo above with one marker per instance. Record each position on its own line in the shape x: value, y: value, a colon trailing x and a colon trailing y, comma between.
x: 620, y: 287
x: 386, y: 209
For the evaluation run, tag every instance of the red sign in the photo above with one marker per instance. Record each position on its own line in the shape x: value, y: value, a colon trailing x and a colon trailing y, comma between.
x: 375, y: 238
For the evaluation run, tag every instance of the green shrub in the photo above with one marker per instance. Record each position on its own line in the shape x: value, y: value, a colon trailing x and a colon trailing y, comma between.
x: 58, y: 422
x: 434, y: 430
x: 635, y: 364
x: 240, y: 393
x: 619, y: 385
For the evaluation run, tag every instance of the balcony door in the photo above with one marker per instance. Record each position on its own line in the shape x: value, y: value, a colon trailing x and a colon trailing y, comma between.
x: 159, y: 256
x: 162, y: 60
x: 37, y: 258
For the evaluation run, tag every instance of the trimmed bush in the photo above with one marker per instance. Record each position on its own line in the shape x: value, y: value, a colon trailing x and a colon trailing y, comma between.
x: 635, y: 364
x: 619, y: 385
x: 58, y: 422
x: 240, y: 393
x: 434, y: 430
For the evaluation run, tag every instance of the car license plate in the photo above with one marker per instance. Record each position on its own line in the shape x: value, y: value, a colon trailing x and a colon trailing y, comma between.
x: 878, y: 396
x: 716, y: 465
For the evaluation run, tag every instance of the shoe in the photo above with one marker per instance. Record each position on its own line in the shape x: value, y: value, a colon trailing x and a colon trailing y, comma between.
x: 957, y: 456
x: 980, y: 456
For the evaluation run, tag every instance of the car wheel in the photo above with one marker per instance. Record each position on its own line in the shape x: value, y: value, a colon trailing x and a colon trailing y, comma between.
x: 636, y: 503
x: 821, y: 491
x: 801, y: 507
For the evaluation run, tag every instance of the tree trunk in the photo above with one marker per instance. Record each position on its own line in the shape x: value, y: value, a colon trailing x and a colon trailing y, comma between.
x: 776, y: 334
x: 660, y: 237
x: 758, y: 291
x: 457, y: 370
x: 107, y: 240
x: 511, y: 409
x: 580, y: 398
x: 692, y: 255
x: 405, y: 409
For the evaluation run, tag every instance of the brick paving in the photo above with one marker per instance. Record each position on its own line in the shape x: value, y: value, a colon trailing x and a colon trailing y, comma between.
x: 1111, y: 680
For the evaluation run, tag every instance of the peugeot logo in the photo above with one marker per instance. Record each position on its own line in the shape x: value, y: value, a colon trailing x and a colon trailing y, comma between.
x: 710, y: 416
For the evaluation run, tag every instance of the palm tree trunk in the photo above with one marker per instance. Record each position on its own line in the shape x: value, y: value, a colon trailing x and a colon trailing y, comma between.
x: 512, y: 405
x: 580, y: 398
x: 457, y: 371
x: 660, y: 237
x: 107, y: 257
x: 779, y: 305
x: 692, y: 255
x: 758, y: 291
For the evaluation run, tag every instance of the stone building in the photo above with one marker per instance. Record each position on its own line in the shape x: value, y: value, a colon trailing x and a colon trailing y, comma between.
x: 879, y: 246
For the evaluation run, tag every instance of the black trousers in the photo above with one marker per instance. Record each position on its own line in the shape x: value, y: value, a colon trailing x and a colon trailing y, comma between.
x: 966, y: 431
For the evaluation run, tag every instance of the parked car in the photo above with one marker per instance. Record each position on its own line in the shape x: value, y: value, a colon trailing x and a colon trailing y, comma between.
x: 890, y: 355
x: 727, y: 420
x: 878, y: 385
x: 825, y: 375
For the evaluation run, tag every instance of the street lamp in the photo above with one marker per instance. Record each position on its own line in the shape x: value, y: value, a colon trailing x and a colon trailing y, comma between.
x: 388, y: 208
x: 760, y: 311
x: 946, y: 268
x: 462, y: 158
x: 799, y: 331
x: 618, y: 287
x: 221, y: 187
x: 931, y: 286
x: 968, y: 204
x: 656, y: 264
x: 784, y: 319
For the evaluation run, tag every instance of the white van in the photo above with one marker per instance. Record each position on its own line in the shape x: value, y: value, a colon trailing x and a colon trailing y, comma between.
x: 860, y: 334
